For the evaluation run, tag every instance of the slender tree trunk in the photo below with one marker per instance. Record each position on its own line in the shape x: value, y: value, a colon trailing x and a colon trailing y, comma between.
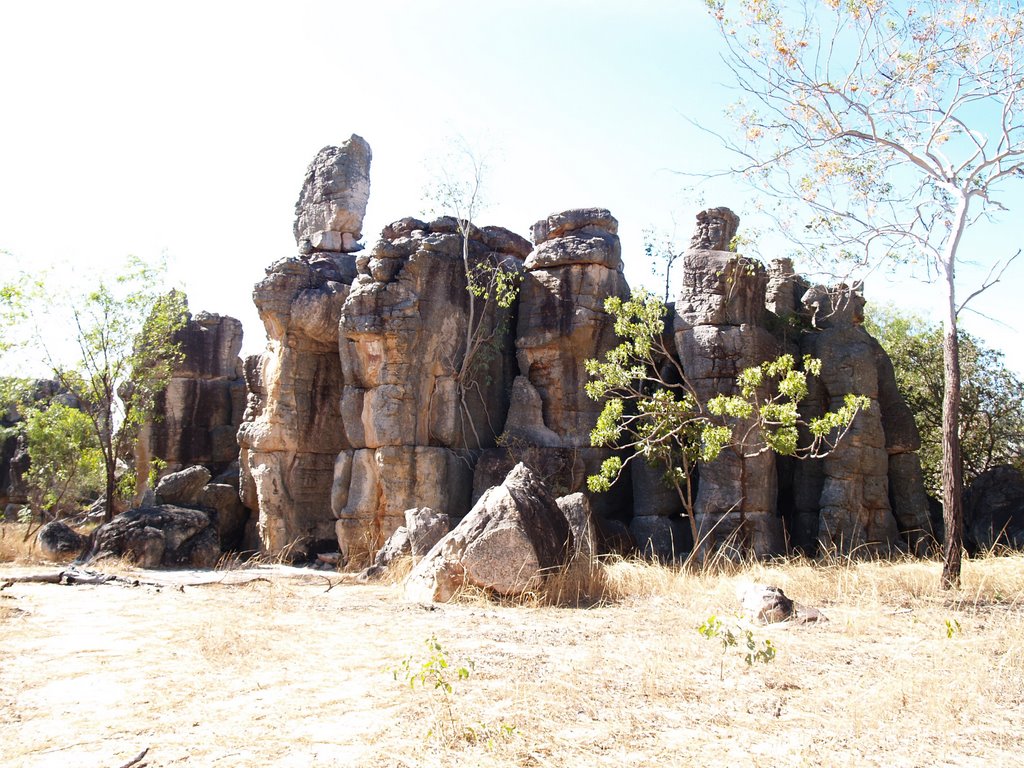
x: 111, y: 468
x: 952, y: 468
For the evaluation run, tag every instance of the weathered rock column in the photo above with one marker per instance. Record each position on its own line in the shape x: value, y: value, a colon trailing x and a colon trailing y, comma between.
x: 575, y: 265
x: 199, y: 412
x: 416, y: 415
x: 293, y: 429
x: 849, y: 491
x: 719, y: 331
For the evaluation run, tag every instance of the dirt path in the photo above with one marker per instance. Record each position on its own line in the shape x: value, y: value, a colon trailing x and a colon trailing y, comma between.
x: 284, y: 669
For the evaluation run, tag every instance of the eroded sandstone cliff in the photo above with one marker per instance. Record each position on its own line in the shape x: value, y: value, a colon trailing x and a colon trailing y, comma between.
x: 373, y: 396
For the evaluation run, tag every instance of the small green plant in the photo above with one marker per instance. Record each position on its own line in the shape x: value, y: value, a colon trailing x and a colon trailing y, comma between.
x: 752, y: 650
x: 437, y: 673
x: 952, y: 629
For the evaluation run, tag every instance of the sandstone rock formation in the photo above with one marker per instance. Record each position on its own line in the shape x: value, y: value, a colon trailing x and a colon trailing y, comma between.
x: 366, y: 402
x: 163, y: 535
x: 293, y: 430
x: 198, y: 415
x: 870, y: 489
x: 513, y: 533
x: 575, y: 266
x: 416, y: 406
x: 720, y: 329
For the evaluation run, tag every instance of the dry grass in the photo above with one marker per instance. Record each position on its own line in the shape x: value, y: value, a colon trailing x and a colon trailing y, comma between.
x: 296, y: 670
x: 15, y: 546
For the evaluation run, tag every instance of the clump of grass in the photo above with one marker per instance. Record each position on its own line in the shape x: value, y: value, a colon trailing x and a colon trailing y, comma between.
x: 17, y: 545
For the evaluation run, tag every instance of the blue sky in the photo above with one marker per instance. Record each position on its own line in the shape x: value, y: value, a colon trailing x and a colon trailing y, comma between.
x: 186, y: 128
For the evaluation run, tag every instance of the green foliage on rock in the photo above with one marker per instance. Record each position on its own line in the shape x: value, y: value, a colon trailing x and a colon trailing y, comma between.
x: 991, y: 406
x: 662, y: 419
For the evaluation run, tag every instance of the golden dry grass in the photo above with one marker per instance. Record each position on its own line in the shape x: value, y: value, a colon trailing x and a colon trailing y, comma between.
x: 295, y: 669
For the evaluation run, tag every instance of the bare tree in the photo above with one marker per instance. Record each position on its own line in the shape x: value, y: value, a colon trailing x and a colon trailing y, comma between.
x: 895, y: 127
x: 457, y: 190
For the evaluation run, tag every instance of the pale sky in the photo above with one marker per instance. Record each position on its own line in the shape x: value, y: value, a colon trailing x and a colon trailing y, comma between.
x: 185, y: 128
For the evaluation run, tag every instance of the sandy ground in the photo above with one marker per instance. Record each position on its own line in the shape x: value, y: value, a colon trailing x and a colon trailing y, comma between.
x: 284, y: 667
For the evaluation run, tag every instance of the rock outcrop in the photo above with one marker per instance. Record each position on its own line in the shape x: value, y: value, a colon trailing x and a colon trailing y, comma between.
x: 293, y: 430
x: 425, y: 363
x: 869, y: 490
x: 720, y: 329
x: 374, y: 397
x: 197, y: 416
x: 513, y: 533
x: 575, y: 266
x: 159, y: 536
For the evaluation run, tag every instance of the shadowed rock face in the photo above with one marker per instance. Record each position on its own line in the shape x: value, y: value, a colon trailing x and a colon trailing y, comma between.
x: 199, y: 413
x: 994, y: 510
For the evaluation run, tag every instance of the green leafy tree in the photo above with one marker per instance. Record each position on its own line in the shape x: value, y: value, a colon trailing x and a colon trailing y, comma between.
x: 66, y: 463
x: 125, y: 332
x: 652, y: 411
x: 892, y: 127
x: 991, y: 408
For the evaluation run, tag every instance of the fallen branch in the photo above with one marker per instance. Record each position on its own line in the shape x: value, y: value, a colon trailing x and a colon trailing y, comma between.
x: 71, y: 577
x: 135, y: 760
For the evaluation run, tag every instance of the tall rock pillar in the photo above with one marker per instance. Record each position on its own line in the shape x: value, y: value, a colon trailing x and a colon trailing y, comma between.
x: 575, y: 265
x: 719, y: 331
x: 417, y: 411
x: 293, y: 429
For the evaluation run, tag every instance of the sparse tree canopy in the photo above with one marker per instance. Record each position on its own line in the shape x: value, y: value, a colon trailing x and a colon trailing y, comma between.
x: 125, y: 330
x: 895, y: 126
x: 991, y: 408
x: 652, y: 411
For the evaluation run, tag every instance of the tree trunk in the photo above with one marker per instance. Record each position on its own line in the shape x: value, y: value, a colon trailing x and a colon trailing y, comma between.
x: 952, y: 469
x: 111, y: 468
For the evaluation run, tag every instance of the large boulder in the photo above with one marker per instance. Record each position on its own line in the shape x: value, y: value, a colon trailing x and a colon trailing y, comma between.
x: 513, y: 533
x: 57, y: 541
x: 182, y: 488
x: 159, y: 536
x: 994, y: 510
x: 422, y: 530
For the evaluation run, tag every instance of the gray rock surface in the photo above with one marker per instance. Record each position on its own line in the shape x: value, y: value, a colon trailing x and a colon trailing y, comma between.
x: 182, y: 488
x: 57, y: 541
x: 994, y: 510
x: 160, y: 536
x: 334, y: 194
x: 513, y: 533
